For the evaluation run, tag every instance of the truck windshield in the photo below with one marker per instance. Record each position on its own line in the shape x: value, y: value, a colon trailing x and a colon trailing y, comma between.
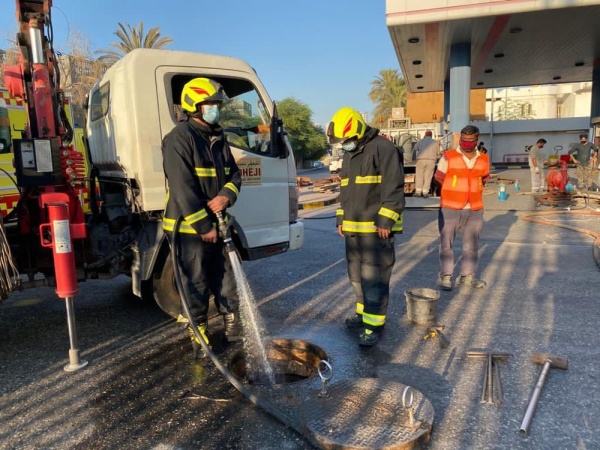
x: 246, y: 122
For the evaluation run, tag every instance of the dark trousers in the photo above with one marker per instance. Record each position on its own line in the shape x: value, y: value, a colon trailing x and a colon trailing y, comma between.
x: 205, y: 269
x: 470, y: 223
x: 370, y: 262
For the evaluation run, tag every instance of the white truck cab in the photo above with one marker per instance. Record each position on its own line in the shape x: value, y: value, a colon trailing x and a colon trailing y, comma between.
x: 131, y: 109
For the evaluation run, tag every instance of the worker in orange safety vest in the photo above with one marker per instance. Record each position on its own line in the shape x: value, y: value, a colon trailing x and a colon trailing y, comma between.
x: 462, y: 173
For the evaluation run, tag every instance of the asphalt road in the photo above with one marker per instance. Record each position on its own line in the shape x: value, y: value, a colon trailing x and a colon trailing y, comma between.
x: 142, y: 388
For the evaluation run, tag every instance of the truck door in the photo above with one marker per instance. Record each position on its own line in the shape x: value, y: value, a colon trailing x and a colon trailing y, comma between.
x: 263, y: 207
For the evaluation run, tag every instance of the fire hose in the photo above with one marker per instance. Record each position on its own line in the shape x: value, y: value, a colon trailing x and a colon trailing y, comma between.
x: 535, y: 218
x: 252, y: 396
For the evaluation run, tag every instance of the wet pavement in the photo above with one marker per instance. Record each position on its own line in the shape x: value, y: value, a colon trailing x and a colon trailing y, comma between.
x: 142, y: 388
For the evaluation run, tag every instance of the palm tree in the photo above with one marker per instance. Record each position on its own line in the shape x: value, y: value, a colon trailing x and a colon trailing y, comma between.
x: 132, y: 38
x: 388, y: 91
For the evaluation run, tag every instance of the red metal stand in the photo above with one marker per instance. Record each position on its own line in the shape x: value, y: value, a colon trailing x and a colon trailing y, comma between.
x: 57, y: 235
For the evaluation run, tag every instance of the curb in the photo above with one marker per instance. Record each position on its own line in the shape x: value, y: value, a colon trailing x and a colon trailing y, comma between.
x: 317, y: 205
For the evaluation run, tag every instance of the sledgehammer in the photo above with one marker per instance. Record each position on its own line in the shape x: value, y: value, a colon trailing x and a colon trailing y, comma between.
x: 548, y: 361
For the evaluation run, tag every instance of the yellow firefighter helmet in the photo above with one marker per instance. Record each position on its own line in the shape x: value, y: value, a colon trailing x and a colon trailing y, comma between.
x: 346, y: 124
x: 200, y: 90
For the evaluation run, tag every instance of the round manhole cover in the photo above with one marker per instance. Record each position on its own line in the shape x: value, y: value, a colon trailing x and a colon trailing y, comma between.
x: 368, y: 413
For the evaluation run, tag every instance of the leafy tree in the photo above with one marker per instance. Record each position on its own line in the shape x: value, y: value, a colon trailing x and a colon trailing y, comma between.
x: 131, y: 38
x: 308, y: 140
x: 9, y: 58
x: 388, y: 91
x: 78, y: 72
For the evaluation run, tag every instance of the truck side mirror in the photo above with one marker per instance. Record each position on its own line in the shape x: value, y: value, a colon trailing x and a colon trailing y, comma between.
x: 277, y: 145
x: 86, y: 102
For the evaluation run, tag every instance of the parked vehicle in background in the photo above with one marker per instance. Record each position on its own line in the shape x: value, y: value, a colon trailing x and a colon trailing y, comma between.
x: 406, y: 139
x: 335, y: 164
x: 335, y: 160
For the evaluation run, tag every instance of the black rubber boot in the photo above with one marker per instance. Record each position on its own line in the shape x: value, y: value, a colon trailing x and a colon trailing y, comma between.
x: 355, y: 321
x: 368, y: 338
x: 233, y: 327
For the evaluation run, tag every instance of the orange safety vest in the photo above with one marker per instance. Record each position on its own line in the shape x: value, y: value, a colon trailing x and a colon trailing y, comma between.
x: 463, y: 185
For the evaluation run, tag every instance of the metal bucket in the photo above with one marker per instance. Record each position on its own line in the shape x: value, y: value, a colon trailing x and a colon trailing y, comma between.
x: 421, y: 305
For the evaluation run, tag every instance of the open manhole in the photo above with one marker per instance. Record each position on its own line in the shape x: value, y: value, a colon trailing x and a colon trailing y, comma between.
x: 292, y: 360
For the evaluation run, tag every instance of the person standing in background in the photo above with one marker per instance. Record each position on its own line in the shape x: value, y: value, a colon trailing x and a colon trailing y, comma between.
x: 536, y: 166
x: 428, y: 152
x: 462, y: 173
x: 583, y: 154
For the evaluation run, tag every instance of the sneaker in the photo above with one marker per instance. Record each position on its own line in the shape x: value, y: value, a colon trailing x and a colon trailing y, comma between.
x: 445, y: 282
x: 233, y: 327
x: 471, y: 281
x: 354, y: 321
x: 426, y: 195
x: 418, y: 194
x: 368, y: 338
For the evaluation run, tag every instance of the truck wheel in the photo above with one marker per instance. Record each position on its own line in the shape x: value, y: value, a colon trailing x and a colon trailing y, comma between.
x: 166, y: 294
x: 164, y: 289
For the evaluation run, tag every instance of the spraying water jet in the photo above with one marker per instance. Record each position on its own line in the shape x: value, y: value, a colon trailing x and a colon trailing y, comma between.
x: 365, y: 413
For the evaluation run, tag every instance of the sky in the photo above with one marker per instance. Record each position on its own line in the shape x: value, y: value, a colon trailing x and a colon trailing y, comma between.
x: 324, y: 53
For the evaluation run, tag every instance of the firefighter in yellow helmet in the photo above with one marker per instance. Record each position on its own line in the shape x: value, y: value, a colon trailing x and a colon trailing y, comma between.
x: 203, y: 179
x: 370, y: 214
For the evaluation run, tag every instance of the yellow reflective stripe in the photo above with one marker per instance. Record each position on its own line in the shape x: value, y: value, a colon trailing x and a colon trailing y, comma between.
x: 169, y: 225
x: 366, y: 227
x: 339, y: 212
x: 359, y: 308
x: 369, y: 179
x: 227, y: 170
x: 206, y: 172
x: 358, y: 227
x: 374, y: 319
x: 199, y: 215
x: 232, y: 188
x: 344, y: 182
x: 385, y: 212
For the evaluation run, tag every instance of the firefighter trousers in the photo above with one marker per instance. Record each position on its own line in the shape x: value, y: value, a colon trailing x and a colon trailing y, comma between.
x: 205, y: 269
x: 370, y: 262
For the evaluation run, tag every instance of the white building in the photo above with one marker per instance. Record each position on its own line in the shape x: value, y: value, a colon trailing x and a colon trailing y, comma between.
x: 461, y: 45
x: 557, y: 113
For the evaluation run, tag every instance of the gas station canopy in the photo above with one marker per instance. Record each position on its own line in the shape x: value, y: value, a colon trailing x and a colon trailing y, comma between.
x: 513, y: 42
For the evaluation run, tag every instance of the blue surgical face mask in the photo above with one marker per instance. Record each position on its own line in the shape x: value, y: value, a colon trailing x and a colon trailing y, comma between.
x: 349, y: 146
x: 210, y: 114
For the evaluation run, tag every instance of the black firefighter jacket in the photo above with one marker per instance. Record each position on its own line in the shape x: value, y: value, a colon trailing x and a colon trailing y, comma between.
x: 199, y: 166
x: 372, y: 187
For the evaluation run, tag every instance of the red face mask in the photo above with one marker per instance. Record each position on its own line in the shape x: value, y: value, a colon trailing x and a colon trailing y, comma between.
x: 468, y: 145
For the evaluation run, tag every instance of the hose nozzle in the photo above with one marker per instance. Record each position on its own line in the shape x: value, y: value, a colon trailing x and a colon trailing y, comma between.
x: 224, y: 232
